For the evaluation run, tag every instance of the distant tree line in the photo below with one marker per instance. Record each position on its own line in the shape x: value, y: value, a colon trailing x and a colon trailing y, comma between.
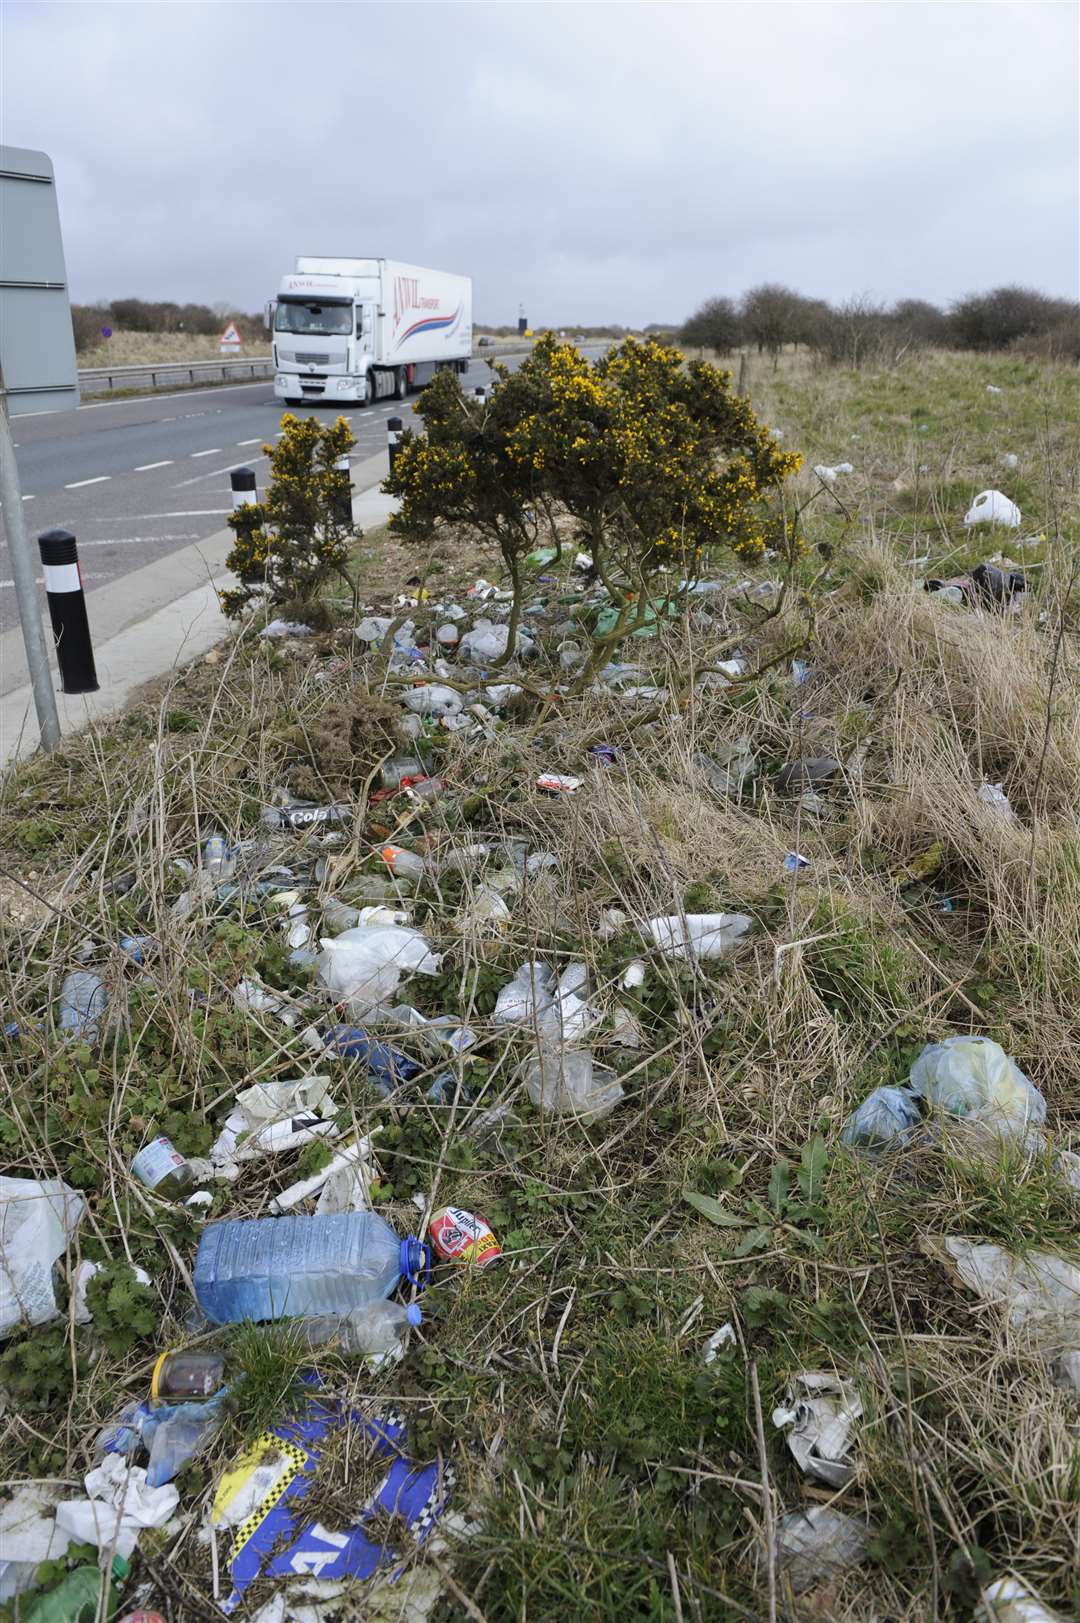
x: 862, y: 331
x: 147, y: 315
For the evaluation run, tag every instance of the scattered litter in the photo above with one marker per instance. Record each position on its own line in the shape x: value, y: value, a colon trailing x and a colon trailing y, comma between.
x: 886, y: 1116
x: 728, y: 768
x: 362, y: 967
x: 1010, y: 460
x: 1007, y: 1600
x: 83, y: 1001
x: 820, y: 1411
x: 377, y: 1331
x: 994, y: 797
x: 633, y: 975
x: 819, y: 1543
x: 991, y: 507
x: 80, y: 1279
x: 459, y: 1236
x: 521, y: 997
x: 36, y: 1222
x: 567, y: 1081
x: 270, y: 1117
x: 793, y: 862
x: 119, y: 1505
x: 298, y: 818
x: 433, y: 699
x: 343, y: 1185
x: 252, y: 995
x: 287, y: 1267
x: 698, y: 935
x: 487, y: 642
x: 966, y: 1074
x: 992, y: 388
x: 829, y: 475
x: 809, y: 770
x: 28, y: 1536
x: 262, y: 1498
x: 286, y: 628
x: 724, y: 1337
x: 553, y: 783
x: 1040, y: 1291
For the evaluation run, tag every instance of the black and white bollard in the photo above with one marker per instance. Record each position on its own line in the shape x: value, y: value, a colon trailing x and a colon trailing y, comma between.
x: 67, y: 611
x: 343, y: 512
x: 244, y: 493
x: 393, y: 439
x: 481, y: 395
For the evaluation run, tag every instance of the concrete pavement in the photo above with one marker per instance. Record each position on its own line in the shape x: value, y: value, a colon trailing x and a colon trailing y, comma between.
x: 166, y: 616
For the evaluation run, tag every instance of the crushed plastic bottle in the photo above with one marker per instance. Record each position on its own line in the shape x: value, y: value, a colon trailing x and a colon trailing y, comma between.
x: 387, y: 1066
x: 698, y: 935
x: 377, y: 1330
x: 83, y: 1001
x: 293, y: 1267
x: 568, y: 1081
x: 520, y: 997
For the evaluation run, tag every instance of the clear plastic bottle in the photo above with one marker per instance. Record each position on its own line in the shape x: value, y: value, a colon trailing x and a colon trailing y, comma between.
x: 292, y: 1267
x: 376, y: 1329
x: 83, y: 1000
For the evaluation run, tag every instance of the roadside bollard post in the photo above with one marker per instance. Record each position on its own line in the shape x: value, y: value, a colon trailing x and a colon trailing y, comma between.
x: 393, y: 439
x: 481, y: 395
x: 67, y: 611
x: 244, y: 493
x: 343, y: 504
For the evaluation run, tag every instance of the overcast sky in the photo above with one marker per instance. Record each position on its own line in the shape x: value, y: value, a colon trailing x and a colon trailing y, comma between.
x: 598, y: 162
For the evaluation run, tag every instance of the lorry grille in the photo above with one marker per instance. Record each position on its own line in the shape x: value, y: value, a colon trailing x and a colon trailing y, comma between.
x: 310, y: 358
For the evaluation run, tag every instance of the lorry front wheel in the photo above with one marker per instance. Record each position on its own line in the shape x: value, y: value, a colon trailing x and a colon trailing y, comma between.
x: 401, y: 384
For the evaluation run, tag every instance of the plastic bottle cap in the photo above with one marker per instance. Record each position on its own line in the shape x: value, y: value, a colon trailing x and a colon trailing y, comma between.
x: 413, y: 1313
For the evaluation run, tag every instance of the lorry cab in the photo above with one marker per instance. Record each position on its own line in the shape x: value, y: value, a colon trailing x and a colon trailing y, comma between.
x: 356, y: 330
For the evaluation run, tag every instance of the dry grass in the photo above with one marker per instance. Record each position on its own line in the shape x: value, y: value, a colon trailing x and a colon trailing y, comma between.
x: 610, y: 1473
x: 137, y: 348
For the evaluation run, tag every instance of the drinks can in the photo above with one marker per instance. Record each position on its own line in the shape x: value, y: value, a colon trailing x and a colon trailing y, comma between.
x: 459, y: 1236
x: 157, y: 1161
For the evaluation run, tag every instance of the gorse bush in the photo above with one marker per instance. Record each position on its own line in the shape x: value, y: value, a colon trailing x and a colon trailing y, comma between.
x: 289, y: 546
x: 656, y: 464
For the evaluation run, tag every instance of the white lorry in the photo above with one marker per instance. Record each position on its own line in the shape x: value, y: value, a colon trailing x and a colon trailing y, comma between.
x: 354, y: 330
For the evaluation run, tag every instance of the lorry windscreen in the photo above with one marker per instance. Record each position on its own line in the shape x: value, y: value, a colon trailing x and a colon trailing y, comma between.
x: 304, y: 316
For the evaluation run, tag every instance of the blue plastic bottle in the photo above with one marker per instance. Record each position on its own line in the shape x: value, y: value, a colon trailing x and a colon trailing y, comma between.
x: 288, y: 1267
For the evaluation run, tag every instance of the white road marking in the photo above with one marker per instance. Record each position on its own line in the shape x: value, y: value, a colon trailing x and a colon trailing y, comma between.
x: 79, y: 483
x: 148, y: 465
x: 190, y: 512
x: 199, y: 477
x: 257, y: 441
x: 215, y: 450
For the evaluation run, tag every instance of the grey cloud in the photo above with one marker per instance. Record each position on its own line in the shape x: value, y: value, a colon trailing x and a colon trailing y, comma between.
x: 598, y: 162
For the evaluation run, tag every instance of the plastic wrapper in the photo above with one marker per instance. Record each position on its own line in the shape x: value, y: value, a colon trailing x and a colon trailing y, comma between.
x: 886, y: 1116
x: 966, y: 1074
x: 36, y: 1222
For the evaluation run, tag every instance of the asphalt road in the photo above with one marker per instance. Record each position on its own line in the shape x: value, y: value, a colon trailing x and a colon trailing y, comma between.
x: 137, y: 479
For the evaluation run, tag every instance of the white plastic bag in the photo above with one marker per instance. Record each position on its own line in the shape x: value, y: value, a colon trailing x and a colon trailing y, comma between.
x: 518, y: 999
x: 1006, y: 1600
x: 363, y: 967
x: 991, y: 507
x: 36, y: 1222
x: 994, y: 796
x: 487, y: 642
x: 706, y: 935
x: 1040, y: 1291
x: 965, y: 1074
x: 433, y: 699
x: 119, y: 1506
